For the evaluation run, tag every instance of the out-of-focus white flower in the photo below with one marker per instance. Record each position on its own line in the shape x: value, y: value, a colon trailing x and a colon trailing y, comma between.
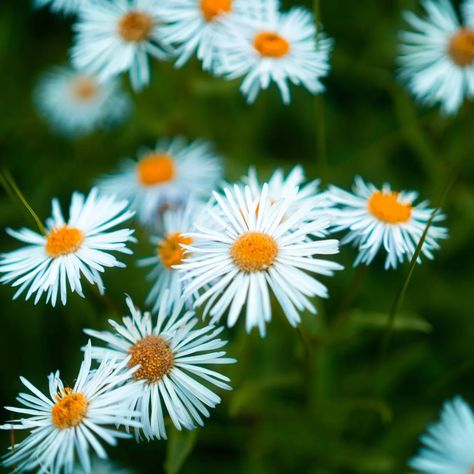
x: 68, y: 7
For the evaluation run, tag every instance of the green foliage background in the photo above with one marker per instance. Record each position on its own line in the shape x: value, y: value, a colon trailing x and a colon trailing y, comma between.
x: 307, y: 402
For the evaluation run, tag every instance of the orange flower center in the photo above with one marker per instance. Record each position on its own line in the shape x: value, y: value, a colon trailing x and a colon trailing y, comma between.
x: 69, y: 410
x: 154, y: 356
x: 170, y: 250
x: 155, y: 169
x: 386, y: 207
x: 254, y: 252
x: 212, y: 8
x: 135, y: 26
x: 271, y: 44
x: 461, y: 47
x: 84, y: 88
x: 63, y: 240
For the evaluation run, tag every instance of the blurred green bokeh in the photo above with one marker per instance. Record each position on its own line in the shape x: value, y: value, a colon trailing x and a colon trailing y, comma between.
x: 308, y: 402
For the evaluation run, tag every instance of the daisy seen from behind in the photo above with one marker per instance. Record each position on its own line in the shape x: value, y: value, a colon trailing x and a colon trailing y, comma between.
x: 448, y: 446
x: 67, y: 424
x: 119, y: 36
x: 75, y: 104
x: 437, y: 55
x: 74, y: 248
x: 173, y: 354
x: 166, y: 176
x: 377, y: 219
x: 281, y: 48
x: 251, y: 247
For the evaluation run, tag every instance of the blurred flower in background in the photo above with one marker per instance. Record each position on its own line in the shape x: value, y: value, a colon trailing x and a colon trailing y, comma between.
x: 68, y: 7
x: 100, y: 466
x: 75, y: 104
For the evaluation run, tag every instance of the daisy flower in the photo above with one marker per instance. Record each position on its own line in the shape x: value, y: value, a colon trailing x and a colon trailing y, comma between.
x: 80, y: 246
x: 75, y: 103
x: 168, y: 175
x: 67, y: 7
x: 251, y: 247
x: 193, y: 25
x: 277, y: 47
x: 114, y: 37
x: 437, y: 56
x: 449, y: 444
x: 65, y: 425
x: 170, y: 251
x: 172, y: 354
x: 376, y: 218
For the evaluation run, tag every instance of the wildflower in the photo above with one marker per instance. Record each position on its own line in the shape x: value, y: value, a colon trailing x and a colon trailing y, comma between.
x: 376, y: 218
x: 252, y: 246
x: 437, y: 56
x: 65, y: 425
x: 75, y: 103
x: 449, y: 443
x: 114, y: 37
x: 172, y: 354
x: 80, y: 246
x: 68, y: 7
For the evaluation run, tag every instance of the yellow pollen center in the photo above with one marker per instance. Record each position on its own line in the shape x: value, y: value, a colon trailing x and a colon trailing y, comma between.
x: 155, y: 169
x: 472, y: 469
x: 69, y: 410
x: 135, y: 26
x: 170, y: 250
x: 63, y: 240
x: 461, y: 47
x: 154, y: 356
x: 212, y: 8
x: 271, y: 44
x: 386, y: 207
x: 254, y: 252
x: 84, y: 88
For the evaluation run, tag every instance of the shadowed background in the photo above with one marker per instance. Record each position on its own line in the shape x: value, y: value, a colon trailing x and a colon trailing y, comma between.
x: 307, y: 402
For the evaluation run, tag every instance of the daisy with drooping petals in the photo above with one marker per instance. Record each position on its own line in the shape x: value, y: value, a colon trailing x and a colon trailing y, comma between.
x: 376, y: 218
x: 437, y: 56
x: 278, y: 47
x: 80, y: 246
x: 170, y: 251
x: 449, y: 444
x: 75, y: 104
x: 253, y: 247
x: 168, y: 175
x: 65, y: 425
x: 172, y: 354
x: 114, y: 37
x: 68, y: 7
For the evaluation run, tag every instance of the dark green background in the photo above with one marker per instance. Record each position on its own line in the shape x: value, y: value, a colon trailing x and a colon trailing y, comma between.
x: 313, y: 407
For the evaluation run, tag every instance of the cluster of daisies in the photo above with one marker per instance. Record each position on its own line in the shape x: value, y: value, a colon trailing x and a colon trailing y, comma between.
x: 226, y: 253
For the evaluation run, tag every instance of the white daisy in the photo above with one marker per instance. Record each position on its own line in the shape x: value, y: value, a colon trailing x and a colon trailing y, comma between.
x: 376, y: 218
x: 66, y: 425
x: 278, y: 47
x: 80, y: 246
x: 114, y: 37
x: 253, y: 247
x: 170, y: 251
x: 75, y: 103
x: 168, y: 175
x: 193, y: 25
x: 172, y: 355
x: 437, y: 56
x: 67, y: 7
x: 449, y: 444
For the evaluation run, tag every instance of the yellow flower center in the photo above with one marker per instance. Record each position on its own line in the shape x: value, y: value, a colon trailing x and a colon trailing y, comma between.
x: 154, y: 356
x: 135, y: 26
x: 170, y: 250
x: 254, y: 252
x: 386, y: 207
x: 69, y: 410
x: 63, y: 240
x: 84, y: 88
x: 212, y: 8
x: 155, y: 169
x: 271, y: 44
x: 461, y: 47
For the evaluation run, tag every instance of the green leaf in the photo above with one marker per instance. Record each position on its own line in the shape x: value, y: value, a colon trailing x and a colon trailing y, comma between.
x: 178, y: 448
